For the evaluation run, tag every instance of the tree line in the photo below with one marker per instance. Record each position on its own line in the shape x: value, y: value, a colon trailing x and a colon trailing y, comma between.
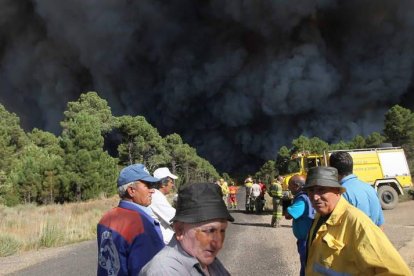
x: 398, y: 131
x: 40, y: 167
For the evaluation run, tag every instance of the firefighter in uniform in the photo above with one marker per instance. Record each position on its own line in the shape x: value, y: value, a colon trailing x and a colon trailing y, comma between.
x: 225, y: 190
x: 275, y: 191
x: 233, y: 195
x: 248, y: 183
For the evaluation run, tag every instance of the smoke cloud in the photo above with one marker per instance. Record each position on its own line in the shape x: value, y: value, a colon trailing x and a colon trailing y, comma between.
x: 236, y: 79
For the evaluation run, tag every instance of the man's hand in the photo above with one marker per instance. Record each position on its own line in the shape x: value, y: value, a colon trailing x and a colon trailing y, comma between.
x: 288, y: 216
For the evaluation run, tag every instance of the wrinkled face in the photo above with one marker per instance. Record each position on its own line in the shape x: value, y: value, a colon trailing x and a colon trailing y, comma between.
x: 202, y: 240
x: 324, y: 199
x: 141, y: 193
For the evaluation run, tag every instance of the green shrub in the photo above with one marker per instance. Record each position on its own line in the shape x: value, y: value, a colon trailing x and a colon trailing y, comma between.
x: 50, y: 236
x: 9, y: 245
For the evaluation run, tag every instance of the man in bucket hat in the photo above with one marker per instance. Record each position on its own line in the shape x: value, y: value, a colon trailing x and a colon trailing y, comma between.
x: 128, y: 236
x: 342, y: 239
x: 200, y: 224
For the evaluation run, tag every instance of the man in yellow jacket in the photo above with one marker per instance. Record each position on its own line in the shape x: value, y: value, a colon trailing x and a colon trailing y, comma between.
x: 225, y: 190
x: 343, y: 240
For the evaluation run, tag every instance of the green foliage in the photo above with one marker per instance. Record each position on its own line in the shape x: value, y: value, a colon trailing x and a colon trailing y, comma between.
x: 46, y: 140
x: 88, y: 170
x: 35, y: 175
x: 42, y: 168
x: 341, y: 145
x: 399, y: 125
x: 50, y: 236
x: 94, y: 106
x: 9, y: 245
x: 314, y: 145
x: 12, y: 141
x: 399, y: 130
x: 141, y: 143
x: 185, y: 162
x: 374, y: 140
x: 267, y: 172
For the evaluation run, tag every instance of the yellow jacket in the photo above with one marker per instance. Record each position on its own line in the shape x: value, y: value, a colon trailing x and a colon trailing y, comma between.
x: 349, y: 243
x: 224, y: 188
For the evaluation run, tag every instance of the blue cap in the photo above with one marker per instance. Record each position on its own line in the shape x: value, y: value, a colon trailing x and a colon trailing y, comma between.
x: 133, y: 173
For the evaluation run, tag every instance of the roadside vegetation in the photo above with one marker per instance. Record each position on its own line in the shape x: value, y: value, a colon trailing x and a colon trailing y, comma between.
x: 30, y: 227
x: 54, y: 188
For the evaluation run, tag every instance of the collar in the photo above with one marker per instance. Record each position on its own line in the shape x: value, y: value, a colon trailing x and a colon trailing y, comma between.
x: 134, y: 206
x: 346, y: 178
x: 187, y: 259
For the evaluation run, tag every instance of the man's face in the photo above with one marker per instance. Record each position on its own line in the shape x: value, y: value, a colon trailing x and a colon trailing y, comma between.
x: 293, y: 187
x: 202, y: 240
x: 167, y: 188
x: 141, y: 193
x: 324, y: 199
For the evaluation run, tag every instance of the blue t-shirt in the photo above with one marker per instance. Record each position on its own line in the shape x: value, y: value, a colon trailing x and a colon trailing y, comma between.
x: 364, y: 197
x: 302, y: 218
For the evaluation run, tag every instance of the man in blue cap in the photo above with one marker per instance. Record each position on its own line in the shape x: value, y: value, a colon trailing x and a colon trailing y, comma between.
x: 128, y: 236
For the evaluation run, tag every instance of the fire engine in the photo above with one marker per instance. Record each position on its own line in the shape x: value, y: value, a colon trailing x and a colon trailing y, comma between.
x: 385, y: 169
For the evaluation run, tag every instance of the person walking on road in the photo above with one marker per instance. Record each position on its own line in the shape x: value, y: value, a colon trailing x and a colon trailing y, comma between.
x: 275, y: 192
x: 233, y: 195
x: 358, y: 193
x: 200, y: 225
x: 160, y: 206
x: 343, y: 240
x: 128, y: 236
x: 302, y: 213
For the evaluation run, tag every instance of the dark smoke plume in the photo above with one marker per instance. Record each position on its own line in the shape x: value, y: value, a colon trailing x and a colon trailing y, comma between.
x: 237, y: 79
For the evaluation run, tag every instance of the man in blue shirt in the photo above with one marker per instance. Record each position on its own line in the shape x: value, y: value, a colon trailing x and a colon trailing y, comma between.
x: 358, y: 193
x: 128, y: 236
x: 302, y: 213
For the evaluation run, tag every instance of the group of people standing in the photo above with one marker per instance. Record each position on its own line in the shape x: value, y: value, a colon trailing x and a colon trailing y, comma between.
x: 145, y: 235
x: 338, y: 221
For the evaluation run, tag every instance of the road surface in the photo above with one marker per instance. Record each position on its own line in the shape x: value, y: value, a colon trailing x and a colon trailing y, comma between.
x: 251, y: 247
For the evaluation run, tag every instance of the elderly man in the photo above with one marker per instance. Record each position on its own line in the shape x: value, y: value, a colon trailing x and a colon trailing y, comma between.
x: 302, y: 213
x: 160, y: 206
x: 128, y: 236
x: 358, y: 193
x: 342, y: 239
x: 200, y: 224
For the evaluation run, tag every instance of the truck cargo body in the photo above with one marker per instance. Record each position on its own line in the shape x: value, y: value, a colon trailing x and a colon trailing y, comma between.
x: 386, y: 169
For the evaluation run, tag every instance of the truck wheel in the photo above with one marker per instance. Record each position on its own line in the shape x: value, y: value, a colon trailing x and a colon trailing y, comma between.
x: 388, y: 197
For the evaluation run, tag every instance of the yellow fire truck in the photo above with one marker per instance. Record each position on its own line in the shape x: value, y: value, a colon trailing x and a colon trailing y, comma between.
x: 386, y: 169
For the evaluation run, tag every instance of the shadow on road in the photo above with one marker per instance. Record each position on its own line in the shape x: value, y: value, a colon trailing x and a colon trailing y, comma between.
x: 261, y: 224
x: 263, y: 213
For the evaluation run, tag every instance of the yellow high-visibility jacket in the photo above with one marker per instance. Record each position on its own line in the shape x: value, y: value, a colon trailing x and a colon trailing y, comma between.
x: 349, y: 243
x: 224, y: 188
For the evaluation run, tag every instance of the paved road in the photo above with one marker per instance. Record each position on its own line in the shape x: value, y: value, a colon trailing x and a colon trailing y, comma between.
x: 251, y: 248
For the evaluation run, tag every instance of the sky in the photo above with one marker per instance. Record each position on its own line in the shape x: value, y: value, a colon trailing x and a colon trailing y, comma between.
x: 236, y: 79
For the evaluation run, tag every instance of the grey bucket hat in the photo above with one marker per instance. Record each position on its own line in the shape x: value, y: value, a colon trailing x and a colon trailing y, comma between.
x: 323, y: 176
x: 198, y: 202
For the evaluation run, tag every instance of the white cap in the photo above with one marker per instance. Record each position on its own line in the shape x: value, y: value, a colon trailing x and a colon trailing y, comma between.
x: 163, y: 173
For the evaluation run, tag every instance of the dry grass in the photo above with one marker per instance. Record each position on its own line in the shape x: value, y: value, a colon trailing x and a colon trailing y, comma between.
x: 29, y: 227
